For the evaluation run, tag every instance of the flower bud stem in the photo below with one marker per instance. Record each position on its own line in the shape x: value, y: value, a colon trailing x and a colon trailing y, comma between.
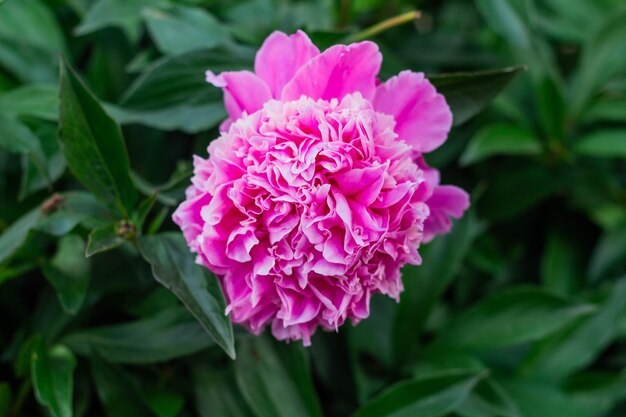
x: 384, y: 25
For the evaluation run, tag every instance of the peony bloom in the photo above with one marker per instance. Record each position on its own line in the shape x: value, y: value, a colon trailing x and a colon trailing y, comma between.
x: 316, y: 193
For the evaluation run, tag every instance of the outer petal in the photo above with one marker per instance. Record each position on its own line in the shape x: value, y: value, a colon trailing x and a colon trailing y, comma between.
x: 423, y: 118
x: 243, y: 91
x: 445, y: 202
x: 337, y: 71
x: 281, y: 56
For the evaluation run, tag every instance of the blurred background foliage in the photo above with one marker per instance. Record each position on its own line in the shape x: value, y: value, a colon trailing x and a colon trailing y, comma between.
x: 519, y: 312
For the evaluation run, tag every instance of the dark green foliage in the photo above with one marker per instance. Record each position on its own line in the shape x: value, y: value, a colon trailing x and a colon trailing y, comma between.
x: 519, y: 312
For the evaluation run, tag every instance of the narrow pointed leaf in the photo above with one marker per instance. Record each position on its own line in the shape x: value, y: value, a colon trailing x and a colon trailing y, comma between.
x: 274, y: 379
x: 500, y: 139
x: 173, y: 266
x: 434, y: 396
x: 93, y: 145
x: 579, y: 344
x: 170, y: 334
x: 511, y: 317
x: 467, y: 93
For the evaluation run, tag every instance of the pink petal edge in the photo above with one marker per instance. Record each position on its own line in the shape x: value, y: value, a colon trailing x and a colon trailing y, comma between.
x: 280, y: 56
x: 337, y: 71
x: 243, y: 91
x: 423, y: 118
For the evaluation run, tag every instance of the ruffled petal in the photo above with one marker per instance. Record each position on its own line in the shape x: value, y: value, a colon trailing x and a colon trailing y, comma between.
x: 423, y: 118
x: 243, y: 91
x: 280, y: 56
x: 339, y: 70
x: 446, y: 201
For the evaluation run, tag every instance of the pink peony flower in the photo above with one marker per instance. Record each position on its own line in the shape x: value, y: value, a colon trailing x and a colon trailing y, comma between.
x: 316, y: 193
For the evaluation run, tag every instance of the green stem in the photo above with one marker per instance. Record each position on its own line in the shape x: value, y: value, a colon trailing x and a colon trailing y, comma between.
x: 384, y: 25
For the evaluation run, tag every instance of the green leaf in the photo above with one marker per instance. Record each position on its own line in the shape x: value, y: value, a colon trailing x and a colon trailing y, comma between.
x: 36, y: 177
x: 424, y: 285
x: 103, y: 239
x: 119, y: 393
x: 432, y: 396
x: 173, y: 94
x: 467, y: 93
x: 500, y: 139
x: 436, y: 359
x: 188, y: 117
x: 252, y: 20
x: 511, y: 317
x: 45, y: 164
x: 608, y: 254
x: 93, y: 144
x: 168, y: 335
x: 70, y: 209
x: 140, y: 216
x: 121, y: 13
x: 602, y: 58
x: 15, y: 235
x: 579, y: 344
x: 504, y: 19
x: 36, y: 100
x: 18, y: 138
x: 603, y: 144
x: 560, y: 264
x: 216, y: 394
x: 539, y: 399
x: 177, y: 30
x: 607, y: 109
x: 580, y: 13
x: 27, y: 62
x: 597, y: 392
x: 488, y: 399
x: 69, y: 272
x: 32, y: 22
x: 57, y: 216
x: 551, y: 108
x: 173, y: 266
x: 30, y: 40
x: 52, y: 374
x: 274, y: 379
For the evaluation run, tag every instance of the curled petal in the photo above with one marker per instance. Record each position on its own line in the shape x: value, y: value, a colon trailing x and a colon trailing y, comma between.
x: 363, y: 184
x: 243, y: 91
x: 423, y: 118
x: 446, y: 201
x: 337, y: 71
x: 281, y: 56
